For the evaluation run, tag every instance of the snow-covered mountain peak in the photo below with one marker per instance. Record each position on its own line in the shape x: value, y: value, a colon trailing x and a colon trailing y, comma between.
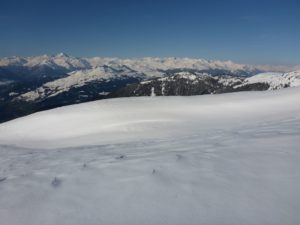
x: 79, y: 78
x: 152, y: 66
x: 61, y: 55
x: 14, y: 60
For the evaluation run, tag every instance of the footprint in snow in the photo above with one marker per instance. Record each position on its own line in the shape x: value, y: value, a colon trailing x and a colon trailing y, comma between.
x: 56, y: 182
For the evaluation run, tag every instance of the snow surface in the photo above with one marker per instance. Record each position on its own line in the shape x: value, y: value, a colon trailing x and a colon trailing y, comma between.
x: 213, y: 159
x: 275, y: 80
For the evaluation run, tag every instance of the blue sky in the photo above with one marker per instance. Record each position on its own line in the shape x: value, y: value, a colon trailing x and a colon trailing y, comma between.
x: 246, y: 31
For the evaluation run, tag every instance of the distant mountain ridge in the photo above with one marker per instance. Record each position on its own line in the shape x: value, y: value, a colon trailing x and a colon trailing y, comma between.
x: 30, y: 84
x: 63, y: 63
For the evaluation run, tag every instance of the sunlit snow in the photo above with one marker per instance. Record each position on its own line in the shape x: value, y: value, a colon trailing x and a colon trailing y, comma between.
x: 214, y: 159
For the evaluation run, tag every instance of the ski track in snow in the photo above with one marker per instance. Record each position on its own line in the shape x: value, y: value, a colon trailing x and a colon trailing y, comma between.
x: 239, y: 172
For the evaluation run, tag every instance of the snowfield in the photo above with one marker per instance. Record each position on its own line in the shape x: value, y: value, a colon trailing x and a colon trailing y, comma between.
x: 227, y: 159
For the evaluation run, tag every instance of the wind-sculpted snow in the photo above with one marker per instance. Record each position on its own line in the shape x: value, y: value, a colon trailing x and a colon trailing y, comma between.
x: 214, y: 159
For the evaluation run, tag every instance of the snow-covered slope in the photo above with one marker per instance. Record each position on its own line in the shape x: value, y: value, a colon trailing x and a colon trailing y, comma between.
x: 198, y: 83
x: 182, y: 84
x: 208, y: 83
x: 78, y: 78
x: 100, y: 118
x: 106, y: 73
x: 275, y: 80
x: 214, y: 159
x: 293, y: 78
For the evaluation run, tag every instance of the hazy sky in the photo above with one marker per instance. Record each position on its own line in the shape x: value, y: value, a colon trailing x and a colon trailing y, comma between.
x: 247, y: 31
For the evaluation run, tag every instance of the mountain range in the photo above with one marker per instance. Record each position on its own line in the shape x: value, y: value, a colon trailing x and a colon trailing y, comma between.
x: 30, y: 84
